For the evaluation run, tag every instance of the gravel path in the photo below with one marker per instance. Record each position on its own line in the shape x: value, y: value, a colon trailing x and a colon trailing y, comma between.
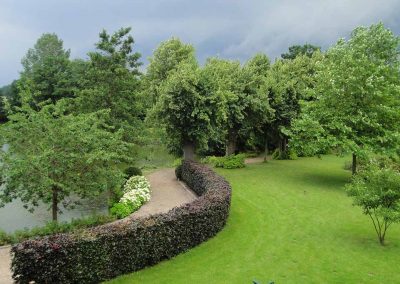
x: 166, y: 193
x: 5, y: 263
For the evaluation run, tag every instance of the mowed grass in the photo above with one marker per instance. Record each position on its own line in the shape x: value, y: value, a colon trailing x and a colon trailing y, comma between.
x: 290, y: 222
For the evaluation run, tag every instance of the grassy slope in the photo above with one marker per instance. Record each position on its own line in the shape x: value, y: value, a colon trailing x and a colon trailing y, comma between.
x: 290, y: 222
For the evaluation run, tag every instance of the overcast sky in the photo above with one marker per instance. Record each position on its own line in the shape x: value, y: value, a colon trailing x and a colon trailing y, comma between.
x: 230, y: 29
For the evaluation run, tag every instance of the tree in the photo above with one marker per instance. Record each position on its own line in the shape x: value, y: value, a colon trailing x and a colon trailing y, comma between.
x: 259, y: 112
x: 3, y: 112
x: 357, y: 97
x: 47, y: 68
x: 296, y: 50
x: 376, y: 189
x: 166, y: 58
x: 288, y: 83
x: 112, y: 81
x: 237, y: 102
x: 183, y: 108
x: 53, y: 155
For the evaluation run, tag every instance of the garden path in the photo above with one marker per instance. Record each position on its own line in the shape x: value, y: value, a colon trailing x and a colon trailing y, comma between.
x: 166, y: 193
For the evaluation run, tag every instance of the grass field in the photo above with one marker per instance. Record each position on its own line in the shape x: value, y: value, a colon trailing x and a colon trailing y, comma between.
x: 290, y: 222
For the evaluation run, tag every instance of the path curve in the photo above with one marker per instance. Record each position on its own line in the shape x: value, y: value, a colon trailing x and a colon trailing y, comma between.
x: 166, y: 193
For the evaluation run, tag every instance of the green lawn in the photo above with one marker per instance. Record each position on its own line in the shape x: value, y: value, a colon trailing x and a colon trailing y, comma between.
x: 290, y: 222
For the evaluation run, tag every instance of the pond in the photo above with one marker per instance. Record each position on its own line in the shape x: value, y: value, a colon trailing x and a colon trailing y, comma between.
x: 13, y: 216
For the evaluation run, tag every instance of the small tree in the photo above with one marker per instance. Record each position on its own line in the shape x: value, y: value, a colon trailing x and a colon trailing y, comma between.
x: 376, y: 189
x: 53, y: 155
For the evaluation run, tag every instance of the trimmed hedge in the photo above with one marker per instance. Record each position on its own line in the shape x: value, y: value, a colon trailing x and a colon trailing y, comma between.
x: 130, y: 244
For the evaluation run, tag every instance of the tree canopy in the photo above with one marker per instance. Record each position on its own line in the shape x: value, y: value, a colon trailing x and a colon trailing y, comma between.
x: 357, y: 97
x: 53, y: 155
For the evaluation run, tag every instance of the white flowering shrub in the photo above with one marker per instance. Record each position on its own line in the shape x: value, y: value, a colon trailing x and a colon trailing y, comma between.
x: 136, y: 192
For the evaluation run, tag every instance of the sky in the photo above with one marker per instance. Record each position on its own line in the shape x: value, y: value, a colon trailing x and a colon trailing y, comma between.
x: 229, y: 29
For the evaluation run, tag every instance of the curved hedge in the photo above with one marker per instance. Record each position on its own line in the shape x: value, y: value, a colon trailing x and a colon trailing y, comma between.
x: 124, y: 246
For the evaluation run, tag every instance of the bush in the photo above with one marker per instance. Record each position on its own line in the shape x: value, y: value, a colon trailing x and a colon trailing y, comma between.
x: 177, y: 162
x: 226, y: 162
x: 136, y: 192
x: 233, y: 162
x: 106, y: 251
x: 132, y: 171
x: 376, y: 189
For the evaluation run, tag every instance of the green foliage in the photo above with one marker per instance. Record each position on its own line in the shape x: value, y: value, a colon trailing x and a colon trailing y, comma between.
x: 52, y: 228
x: 278, y: 154
x: 356, y: 97
x: 121, y: 210
x: 107, y: 251
x: 237, y: 98
x: 297, y: 50
x: 289, y: 82
x: 226, y: 162
x: 183, y: 107
x: 112, y: 82
x: 233, y: 161
x: 47, y: 71
x: 177, y: 162
x: 165, y: 59
x: 52, y: 155
x: 376, y: 189
x: 132, y: 171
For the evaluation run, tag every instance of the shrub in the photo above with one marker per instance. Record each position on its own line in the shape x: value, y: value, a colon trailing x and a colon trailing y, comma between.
x: 233, y: 162
x: 376, y: 189
x: 226, y: 162
x: 177, y: 162
x: 124, y: 246
x: 136, y: 192
x: 121, y: 210
x: 132, y: 171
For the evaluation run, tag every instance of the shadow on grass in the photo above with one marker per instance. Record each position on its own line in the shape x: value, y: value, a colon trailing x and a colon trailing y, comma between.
x: 323, y: 180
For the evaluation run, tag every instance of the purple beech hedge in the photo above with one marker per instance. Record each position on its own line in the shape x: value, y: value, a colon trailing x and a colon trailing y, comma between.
x: 130, y: 244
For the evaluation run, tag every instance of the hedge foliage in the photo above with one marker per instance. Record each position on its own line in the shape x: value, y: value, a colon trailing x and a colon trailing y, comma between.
x: 226, y: 162
x: 130, y: 244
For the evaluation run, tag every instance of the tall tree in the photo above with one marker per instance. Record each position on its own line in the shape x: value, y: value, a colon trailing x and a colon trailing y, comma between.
x: 165, y: 59
x: 357, y: 106
x: 289, y: 82
x: 183, y: 108
x: 296, y: 50
x: 3, y: 112
x: 47, y: 67
x: 239, y: 105
x: 53, y: 155
x: 112, y: 81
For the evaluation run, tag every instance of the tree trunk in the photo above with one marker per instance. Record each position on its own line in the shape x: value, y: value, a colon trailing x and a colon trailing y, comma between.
x: 54, y: 205
x: 188, y: 151
x: 231, y: 143
x: 266, y: 148
x: 354, y: 164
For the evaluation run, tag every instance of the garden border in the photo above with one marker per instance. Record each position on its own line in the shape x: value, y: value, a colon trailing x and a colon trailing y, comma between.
x: 104, y: 252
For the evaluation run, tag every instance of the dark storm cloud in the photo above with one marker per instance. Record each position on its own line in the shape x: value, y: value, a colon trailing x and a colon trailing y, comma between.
x: 233, y: 29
